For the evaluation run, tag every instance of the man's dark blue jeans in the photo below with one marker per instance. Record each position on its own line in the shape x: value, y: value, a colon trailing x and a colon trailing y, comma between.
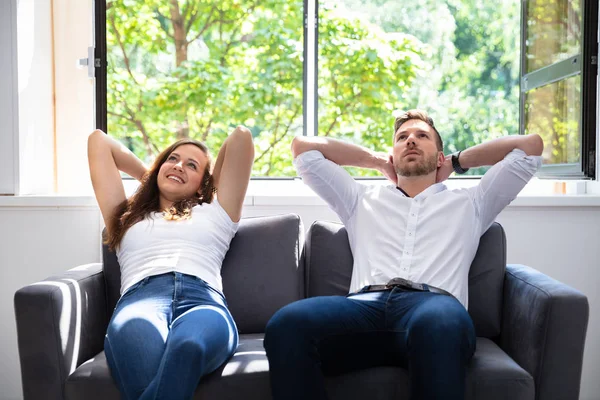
x: 432, y: 335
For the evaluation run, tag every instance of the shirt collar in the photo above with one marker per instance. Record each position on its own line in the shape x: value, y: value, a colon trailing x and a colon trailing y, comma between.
x: 431, y: 190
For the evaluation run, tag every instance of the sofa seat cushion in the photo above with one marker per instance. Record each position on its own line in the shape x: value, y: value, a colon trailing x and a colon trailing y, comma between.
x: 492, y: 375
x: 244, y: 376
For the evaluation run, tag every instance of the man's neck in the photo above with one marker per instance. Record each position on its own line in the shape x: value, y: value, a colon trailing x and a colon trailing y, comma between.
x: 414, y: 185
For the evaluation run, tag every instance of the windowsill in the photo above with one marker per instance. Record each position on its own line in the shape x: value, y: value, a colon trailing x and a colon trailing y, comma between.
x: 295, y: 193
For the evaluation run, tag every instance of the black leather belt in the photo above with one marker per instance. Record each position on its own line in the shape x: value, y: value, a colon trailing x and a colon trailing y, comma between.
x: 406, y: 284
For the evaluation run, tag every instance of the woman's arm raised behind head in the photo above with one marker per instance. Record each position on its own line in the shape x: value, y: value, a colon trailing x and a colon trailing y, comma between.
x: 106, y: 157
x: 232, y: 171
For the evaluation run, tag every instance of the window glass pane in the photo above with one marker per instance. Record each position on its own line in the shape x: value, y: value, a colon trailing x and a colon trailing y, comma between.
x: 553, y: 32
x: 457, y: 59
x: 553, y: 111
x: 198, y: 68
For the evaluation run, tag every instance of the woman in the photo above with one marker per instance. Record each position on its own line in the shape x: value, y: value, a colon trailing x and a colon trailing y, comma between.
x: 171, y: 325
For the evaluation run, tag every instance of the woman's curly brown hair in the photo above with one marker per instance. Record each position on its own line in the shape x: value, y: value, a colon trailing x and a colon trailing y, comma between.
x: 146, y: 198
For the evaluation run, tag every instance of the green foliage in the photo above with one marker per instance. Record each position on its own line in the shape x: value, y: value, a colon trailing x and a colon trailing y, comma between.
x: 241, y: 62
x: 363, y: 75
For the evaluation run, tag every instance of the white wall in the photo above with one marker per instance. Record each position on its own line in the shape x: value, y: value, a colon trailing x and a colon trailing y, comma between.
x: 37, y: 242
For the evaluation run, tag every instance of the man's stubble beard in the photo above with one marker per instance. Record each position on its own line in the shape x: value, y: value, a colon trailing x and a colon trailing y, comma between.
x: 422, y: 168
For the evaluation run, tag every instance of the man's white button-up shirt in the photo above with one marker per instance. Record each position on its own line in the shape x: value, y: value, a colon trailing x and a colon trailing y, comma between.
x: 431, y: 238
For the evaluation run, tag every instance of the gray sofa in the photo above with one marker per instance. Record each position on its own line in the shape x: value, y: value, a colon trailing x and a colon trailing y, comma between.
x: 531, y: 329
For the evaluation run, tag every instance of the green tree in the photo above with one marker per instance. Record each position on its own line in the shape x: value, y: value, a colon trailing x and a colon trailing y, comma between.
x: 198, y: 68
x: 470, y: 52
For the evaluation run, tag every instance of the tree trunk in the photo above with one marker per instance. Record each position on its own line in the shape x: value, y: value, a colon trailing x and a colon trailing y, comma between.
x: 181, y: 47
x: 179, y: 33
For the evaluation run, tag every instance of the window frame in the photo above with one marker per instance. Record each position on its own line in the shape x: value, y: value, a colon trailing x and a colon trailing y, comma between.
x: 101, y: 75
x: 9, y: 101
x: 584, y: 63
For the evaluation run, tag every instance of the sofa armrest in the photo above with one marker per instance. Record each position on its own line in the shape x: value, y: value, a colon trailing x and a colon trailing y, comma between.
x: 544, y: 324
x: 61, y: 322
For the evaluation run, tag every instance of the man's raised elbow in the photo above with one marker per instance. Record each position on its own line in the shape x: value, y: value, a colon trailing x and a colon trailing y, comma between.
x: 536, y: 145
x: 297, y: 144
x: 302, y: 144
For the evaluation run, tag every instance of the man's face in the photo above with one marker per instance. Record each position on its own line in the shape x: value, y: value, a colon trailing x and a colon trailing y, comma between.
x: 415, y: 149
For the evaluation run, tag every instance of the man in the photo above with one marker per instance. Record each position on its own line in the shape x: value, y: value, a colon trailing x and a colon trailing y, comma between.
x: 413, y: 244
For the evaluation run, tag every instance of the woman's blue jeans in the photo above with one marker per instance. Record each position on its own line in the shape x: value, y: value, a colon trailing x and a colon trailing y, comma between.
x: 167, y: 331
x: 431, y: 335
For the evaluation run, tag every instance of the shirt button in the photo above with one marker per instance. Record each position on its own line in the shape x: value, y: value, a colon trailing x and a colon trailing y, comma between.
x: 409, y: 233
x: 413, y: 214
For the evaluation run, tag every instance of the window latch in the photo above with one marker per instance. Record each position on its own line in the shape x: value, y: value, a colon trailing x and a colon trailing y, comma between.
x: 91, y: 62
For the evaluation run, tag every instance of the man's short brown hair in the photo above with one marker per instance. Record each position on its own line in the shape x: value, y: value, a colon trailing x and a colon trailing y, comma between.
x: 420, y: 115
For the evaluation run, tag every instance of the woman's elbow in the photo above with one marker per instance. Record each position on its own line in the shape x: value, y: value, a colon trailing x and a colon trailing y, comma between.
x: 95, y: 139
x: 242, y: 137
x: 95, y: 134
x: 242, y: 133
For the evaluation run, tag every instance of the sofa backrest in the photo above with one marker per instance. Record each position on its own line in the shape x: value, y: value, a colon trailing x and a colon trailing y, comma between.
x: 329, y: 270
x: 262, y: 271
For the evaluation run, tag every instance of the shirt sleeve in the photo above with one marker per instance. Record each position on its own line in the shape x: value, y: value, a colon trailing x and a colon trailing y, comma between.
x: 330, y: 182
x: 501, y: 184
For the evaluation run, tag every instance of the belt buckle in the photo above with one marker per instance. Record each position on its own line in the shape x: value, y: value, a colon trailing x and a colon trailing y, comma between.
x: 405, y: 283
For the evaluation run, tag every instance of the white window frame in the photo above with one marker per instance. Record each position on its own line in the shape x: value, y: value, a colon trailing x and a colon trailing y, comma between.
x: 9, y: 107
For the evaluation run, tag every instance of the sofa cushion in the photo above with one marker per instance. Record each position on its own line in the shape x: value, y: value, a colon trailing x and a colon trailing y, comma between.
x: 262, y: 271
x: 329, y: 270
x: 492, y: 375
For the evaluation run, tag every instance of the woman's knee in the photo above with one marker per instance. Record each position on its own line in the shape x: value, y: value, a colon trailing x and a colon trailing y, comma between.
x: 189, y: 346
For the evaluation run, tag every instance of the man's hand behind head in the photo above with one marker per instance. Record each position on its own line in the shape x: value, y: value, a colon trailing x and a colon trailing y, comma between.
x: 387, y: 168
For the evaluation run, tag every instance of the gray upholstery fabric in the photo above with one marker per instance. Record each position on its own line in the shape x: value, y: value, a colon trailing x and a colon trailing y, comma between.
x: 486, y: 282
x: 112, y: 277
x: 60, y: 324
x: 92, y: 380
x: 245, y: 375
x: 492, y: 375
x: 543, y: 329
x: 261, y: 273
x: 328, y: 260
x: 329, y: 270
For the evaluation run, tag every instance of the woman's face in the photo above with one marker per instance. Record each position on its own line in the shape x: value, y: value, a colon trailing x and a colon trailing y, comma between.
x: 181, y: 174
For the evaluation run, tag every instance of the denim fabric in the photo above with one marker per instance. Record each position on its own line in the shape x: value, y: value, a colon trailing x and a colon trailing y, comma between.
x: 430, y: 334
x: 167, y: 332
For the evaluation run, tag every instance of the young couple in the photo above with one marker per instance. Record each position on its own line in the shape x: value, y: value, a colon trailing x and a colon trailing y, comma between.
x: 413, y: 243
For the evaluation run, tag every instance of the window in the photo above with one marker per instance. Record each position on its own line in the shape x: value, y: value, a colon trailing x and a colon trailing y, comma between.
x: 197, y: 69
x: 558, y: 88
x: 343, y: 69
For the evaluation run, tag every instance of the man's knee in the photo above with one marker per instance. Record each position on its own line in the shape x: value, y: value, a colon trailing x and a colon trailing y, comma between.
x: 443, y: 317
x: 288, y: 324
